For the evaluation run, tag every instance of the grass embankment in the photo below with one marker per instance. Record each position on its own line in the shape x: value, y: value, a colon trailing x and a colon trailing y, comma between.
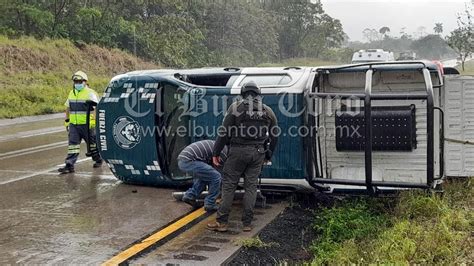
x: 35, y: 74
x: 468, y: 68
x: 415, y: 228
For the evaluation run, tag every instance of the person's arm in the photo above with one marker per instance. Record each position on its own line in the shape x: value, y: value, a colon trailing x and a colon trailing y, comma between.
x: 273, y: 137
x: 224, y: 132
x: 93, y: 97
x: 67, y: 112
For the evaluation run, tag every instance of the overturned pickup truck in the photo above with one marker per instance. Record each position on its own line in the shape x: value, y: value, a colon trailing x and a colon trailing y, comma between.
x: 373, y: 126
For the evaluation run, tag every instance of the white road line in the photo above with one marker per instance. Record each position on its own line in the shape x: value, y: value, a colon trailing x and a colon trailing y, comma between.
x: 32, y: 133
x: 78, y: 161
x: 28, y: 256
x: 37, y: 212
x: 85, y: 174
x: 29, y: 119
x: 32, y: 148
x: 26, y: 151
x: 27, y: 176
x: 39, y: 173
x: 52, y: 131
x: 105, y: 177
x: 16, y: 171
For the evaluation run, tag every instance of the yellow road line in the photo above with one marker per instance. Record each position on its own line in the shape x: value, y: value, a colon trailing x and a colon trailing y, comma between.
x: 147, y: 242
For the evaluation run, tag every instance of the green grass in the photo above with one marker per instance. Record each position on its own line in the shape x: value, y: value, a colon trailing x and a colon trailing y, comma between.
x: 254, y: 242
x: 35, y: 74
x: 468, y: 68
x: 415, y: 228
x: 38, y: 93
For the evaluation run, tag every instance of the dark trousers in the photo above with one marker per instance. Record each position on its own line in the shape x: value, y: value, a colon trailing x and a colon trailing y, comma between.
x: 76, y: 134
x: 246, y: 162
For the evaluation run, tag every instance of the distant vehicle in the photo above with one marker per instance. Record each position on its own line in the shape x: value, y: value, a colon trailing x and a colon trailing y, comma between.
x: 372, y: 55
x: 407, y: 55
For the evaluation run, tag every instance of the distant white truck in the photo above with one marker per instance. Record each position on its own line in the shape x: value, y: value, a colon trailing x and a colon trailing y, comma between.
x: 372, y: 55
x: 406, y: 55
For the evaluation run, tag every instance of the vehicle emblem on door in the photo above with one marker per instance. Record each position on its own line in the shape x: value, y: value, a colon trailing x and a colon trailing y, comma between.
x: 126, y: 132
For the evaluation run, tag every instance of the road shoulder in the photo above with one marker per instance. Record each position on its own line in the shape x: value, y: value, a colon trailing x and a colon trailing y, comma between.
x: 198, y: 245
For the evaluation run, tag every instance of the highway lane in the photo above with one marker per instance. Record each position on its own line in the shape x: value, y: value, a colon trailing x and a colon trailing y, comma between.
x: 85, y: 217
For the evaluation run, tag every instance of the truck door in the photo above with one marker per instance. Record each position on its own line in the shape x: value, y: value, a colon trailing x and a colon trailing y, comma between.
x: 173, y: 128
x: 137, y: 117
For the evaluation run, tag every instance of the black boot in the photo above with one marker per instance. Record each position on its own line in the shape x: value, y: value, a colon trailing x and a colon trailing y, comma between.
x: 97, y: 164
x: 68, y: 168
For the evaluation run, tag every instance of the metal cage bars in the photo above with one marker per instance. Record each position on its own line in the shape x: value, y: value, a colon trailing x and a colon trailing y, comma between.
x: 368, y: 97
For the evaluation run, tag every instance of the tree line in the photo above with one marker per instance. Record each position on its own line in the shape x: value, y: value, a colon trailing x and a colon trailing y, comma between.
x: 427, y: 46
x: 458, y: 43
x: 183, y: 33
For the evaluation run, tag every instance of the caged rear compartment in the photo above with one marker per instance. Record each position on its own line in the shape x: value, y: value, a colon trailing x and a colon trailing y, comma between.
x: 379, y: 126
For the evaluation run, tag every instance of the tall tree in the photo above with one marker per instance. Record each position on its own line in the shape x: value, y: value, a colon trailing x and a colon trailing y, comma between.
x: 239, y: 34
x: 438, y: 28
x: 431, y: 47
x: 462, y: 38
x: 404, y: 35
x: 384, y: 30
x: 328, y: 34
x: 300, y: 22
x: 420, y: 32
x: 371, y: 35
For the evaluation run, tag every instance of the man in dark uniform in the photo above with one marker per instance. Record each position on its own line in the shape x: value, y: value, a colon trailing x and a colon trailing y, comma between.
x: 248, y: 125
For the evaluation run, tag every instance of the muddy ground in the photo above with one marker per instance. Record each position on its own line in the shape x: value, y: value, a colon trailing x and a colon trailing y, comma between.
x: 289, y: 236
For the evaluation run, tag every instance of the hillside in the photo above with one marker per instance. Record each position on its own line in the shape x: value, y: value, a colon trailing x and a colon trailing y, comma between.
x: 35, y: 74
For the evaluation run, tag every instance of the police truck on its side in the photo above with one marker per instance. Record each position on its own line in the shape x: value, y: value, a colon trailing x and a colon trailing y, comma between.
x: 147, y: 117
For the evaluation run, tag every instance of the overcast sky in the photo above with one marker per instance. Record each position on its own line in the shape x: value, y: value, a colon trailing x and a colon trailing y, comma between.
x: 356, y: 15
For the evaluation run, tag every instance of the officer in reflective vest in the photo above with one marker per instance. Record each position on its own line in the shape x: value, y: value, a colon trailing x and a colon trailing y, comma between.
x: 77, y: 105
x: 248, y: 125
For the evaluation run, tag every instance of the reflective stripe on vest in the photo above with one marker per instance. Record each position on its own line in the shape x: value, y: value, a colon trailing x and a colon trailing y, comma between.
x: 78, y: 106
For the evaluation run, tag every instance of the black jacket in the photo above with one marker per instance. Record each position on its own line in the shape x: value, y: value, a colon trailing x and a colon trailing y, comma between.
x: 225, y: 135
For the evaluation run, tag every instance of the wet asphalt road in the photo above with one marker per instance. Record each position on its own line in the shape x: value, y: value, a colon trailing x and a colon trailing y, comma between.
x: 85, y: 217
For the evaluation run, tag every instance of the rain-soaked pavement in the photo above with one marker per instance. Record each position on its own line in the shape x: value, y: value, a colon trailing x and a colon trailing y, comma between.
x: 85, y: 217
